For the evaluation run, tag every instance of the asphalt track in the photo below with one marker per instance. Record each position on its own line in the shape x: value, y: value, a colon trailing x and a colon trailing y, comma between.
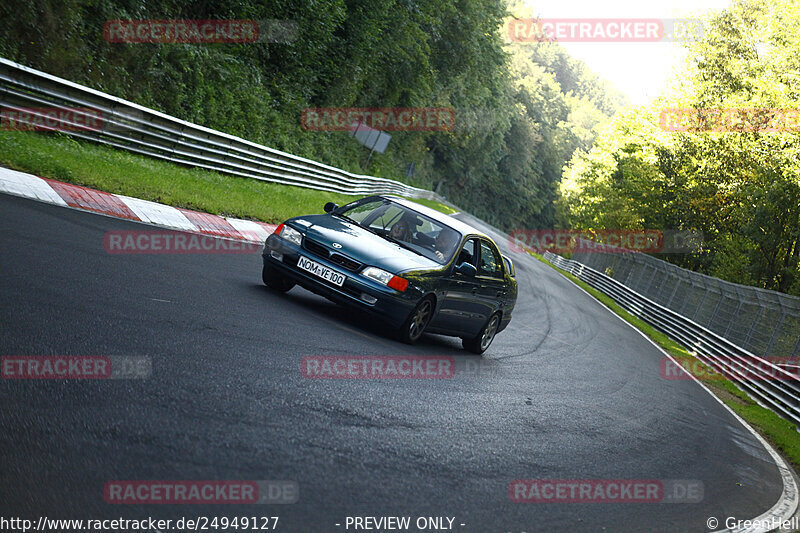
x: 568, y: 391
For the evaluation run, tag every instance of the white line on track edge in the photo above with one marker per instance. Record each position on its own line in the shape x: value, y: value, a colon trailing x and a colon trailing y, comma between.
x: 787, y: 504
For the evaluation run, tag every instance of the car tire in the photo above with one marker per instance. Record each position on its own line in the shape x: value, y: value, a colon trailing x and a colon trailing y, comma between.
x: 414, y: 326
x: 275, y: 280
x: 479, y: 343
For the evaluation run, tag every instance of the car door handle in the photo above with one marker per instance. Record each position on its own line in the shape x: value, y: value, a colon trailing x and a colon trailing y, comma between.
x: 474, y: 290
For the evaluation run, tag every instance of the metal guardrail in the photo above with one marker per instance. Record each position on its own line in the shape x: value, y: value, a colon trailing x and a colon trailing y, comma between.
x: 144, y: 131
x: 763, y: 322
x: 769, y: 384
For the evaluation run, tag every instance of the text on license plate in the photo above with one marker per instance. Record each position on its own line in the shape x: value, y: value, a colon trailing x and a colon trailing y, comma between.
x: 321, y: 271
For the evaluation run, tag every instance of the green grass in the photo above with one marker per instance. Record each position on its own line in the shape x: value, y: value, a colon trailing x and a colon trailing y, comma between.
x: 782, y: 434
x: 116, y: 171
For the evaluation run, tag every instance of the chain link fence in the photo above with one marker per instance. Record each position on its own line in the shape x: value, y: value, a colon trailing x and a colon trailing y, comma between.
x: 765, y: 323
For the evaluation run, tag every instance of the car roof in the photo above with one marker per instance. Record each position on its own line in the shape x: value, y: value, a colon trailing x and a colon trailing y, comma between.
x: 447, y: 220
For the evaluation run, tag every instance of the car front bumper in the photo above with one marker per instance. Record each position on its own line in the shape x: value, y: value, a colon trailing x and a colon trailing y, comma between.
x: 391, y: 306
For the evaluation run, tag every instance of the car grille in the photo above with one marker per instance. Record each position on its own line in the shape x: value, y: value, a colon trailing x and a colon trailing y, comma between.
x: 321, y: 250
x: 346, y: 262
x: 315, y: 248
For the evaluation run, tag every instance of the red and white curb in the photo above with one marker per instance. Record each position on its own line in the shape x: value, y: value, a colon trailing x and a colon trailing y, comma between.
x: 119, y: 206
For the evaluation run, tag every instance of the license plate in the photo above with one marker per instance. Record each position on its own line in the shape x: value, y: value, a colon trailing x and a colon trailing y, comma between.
x: 321, y: 271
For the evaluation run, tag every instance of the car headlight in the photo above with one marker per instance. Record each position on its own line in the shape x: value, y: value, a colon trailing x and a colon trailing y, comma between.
x: 386, y: 278
x: 289, y: 233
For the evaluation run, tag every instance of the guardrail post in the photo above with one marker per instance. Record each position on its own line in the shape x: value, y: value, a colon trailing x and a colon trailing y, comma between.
x: 753, y: 325
x: 774, y: 335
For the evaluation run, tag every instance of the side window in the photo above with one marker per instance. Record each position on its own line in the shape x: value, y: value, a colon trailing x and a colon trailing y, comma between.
x: 467, y: 254
x: 490, y: 262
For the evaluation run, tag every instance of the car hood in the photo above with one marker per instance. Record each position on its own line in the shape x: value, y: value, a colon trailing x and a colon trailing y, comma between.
x: 362, y: 245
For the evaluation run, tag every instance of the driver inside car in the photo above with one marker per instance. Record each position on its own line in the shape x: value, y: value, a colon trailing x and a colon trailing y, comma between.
x: 444, y: 244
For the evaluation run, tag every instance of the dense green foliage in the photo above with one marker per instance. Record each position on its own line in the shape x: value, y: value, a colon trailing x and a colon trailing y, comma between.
x: 740, y: 188
x: 521, y: 110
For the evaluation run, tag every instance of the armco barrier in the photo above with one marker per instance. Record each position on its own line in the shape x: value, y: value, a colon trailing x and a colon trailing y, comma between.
x: 144, y: 131
x: 763, y: 322
x: 780, y: 391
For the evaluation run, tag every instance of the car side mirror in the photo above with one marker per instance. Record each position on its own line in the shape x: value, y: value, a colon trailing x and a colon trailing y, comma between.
x: 330, y: 206
x: 466, y: 269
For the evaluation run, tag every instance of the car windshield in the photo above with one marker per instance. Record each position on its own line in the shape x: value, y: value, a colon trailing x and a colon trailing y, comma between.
x: 405, y: 227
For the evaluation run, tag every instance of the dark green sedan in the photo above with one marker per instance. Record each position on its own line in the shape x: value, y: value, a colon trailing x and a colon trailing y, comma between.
x: 414, y: 268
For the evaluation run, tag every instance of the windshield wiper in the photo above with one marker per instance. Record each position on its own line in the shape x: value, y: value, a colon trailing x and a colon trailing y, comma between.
x: 399, y: 243
x: 385, y: 236
x: 347, y: 218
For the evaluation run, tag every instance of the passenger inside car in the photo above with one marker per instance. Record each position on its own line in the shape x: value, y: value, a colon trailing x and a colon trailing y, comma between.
x: 400, y: 231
